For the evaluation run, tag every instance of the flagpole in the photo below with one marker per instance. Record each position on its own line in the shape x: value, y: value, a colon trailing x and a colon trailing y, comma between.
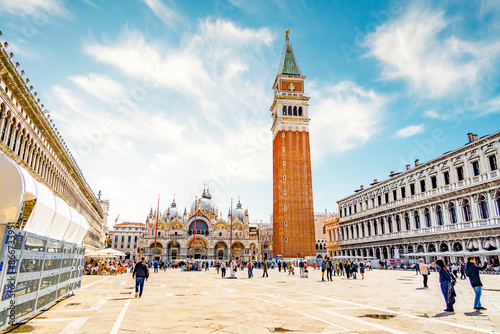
x: 231, y: 234
x: 156, y: 227
x: 195, y: 214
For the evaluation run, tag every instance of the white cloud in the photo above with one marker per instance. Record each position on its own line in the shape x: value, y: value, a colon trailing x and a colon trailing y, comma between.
x: 200, y: 118
x: 411, y: 48
x: 410, y: 131
x: 33, y: 7
x: 166, y: 14
x: 100, y: 86
x: 343, y: 117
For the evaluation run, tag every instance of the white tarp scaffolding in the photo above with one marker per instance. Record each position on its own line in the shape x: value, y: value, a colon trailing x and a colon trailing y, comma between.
x: 51, y: 216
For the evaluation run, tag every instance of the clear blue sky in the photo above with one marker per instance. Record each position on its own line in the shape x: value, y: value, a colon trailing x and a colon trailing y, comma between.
x: 159, y: 96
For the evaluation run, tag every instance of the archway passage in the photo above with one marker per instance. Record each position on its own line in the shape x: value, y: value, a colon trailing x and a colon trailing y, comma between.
x: 198, y: 249
x: 221, y: 250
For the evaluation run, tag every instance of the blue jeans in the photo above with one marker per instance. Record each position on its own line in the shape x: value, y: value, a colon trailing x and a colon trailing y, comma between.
x: 444, y: 290
x: 139, y: 284
x: 250, y: 272
x: 477, y: 300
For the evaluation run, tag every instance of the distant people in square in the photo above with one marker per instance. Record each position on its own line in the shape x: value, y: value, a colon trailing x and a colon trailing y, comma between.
x: 264, y: 267
x: 141, y: 274
x: 323, y: 269
x: 417, y: 269
x: 472, y: 271
x: 461, y: 265
x: 447, y: 283
x: 362, y: 268
x: 155, y: 266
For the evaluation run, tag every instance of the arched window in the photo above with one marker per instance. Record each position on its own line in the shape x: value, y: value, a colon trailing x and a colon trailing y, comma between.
x: 317, y: 247
x: 427, y: 216
x: 466, y: 211
x: 398, y: 223
x: 483, y: 206
x: 416, y: 217
x: 407, y: 222
x: 389, y: 223
x: 453, y: 213
x: 295, y: 111
x: 382, y: 226
x: 284, y: 110
x: 439, y: 215
x: 300, y: 111
x: 289, y: 110
x: 324, y: 229
x: 375, y: 227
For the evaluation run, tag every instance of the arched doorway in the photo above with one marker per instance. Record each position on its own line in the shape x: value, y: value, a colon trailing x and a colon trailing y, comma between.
x: 156, y: 250
x: 173, y: 251
x: 221, y: 251
x: 198, y: 249
x: 237, y: 250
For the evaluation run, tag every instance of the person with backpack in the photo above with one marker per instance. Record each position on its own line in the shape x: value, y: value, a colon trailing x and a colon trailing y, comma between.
x: 323, y: 268
x: 250, y: 269
x: 141, y: 274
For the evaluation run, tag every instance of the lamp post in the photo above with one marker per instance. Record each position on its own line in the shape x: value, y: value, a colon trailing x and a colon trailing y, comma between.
x: 231, y: 234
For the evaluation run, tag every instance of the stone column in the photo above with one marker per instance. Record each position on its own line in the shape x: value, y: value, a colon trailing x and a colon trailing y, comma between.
x: 474, y: 209
x: 491, y: 205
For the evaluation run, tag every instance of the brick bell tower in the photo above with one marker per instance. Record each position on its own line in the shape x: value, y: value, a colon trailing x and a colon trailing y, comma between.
x: 293, y: 212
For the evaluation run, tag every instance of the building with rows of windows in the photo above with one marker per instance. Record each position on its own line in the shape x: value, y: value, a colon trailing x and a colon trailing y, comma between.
x: 125, y: 238
x: 448, y: 204
x: 30, y: 138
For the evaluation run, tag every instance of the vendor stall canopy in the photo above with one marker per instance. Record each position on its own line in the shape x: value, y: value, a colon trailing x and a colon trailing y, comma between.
x: 31, y: 206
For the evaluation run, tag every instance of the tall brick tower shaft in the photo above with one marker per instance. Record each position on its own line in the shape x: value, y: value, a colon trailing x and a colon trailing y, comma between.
x: 293, y: 212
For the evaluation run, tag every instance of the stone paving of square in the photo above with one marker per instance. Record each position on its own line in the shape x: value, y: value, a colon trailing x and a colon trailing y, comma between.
x: 201, y: 302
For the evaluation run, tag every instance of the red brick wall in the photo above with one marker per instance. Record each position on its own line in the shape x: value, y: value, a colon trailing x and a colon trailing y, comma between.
x: 299, y: 200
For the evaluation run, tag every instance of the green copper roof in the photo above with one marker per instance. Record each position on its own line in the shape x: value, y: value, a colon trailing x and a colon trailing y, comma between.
x: 289, y: 65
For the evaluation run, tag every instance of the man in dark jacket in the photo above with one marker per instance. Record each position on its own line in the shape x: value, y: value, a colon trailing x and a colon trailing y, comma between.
x: 141, y: 273
x: 472, y: 271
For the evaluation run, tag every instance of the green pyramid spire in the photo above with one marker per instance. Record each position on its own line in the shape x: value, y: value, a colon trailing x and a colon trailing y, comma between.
x: 290, y: 66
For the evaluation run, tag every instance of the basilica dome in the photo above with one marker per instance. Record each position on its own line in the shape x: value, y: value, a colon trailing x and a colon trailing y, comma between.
x: 204, y: 203
x: 172, y: 211
x: 239, y: 213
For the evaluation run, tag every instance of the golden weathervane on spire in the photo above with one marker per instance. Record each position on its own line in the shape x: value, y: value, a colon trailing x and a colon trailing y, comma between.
x: 287, y: 32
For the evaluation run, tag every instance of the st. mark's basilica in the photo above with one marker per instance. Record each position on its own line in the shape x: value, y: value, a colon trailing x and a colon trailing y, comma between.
x: 200, y: 233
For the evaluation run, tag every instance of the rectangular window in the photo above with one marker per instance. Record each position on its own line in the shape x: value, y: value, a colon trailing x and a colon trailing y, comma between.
x: 379, y: 199
x: 350, y: 210
x: 475, y: 168
x: 355, y: 208
x: 123, y: 238
x: 386, y: 197
x: 403, y: 192
x: 446, y: 176
x: 493, y: 162
x: 422, y: 185
x: 460, y: 173
x: 394, y: 195
x: 129, y: 238
x: 434, y: 182
x: 412, y: 189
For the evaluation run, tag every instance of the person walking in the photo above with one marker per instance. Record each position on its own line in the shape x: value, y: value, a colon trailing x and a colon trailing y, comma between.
x: 424, y: 270
x: 328, y: 266
x: 223, y: 269
x: 417, y: 269
x: 155, y: 265
x: 264, y: 267
x: 354, y: 269
x: 279, y: 266
x: 341, y: 267
x: 250, y: 269
x: 323, y: 268
x: 362, y: 269
x: 233, y: 267
x: 347, y: 266
x: 454, y: 269
x: 301, y: 267
x: 461, y: 265
x: 472, y: 271
x: 140, y: 273
x: 446, y: 281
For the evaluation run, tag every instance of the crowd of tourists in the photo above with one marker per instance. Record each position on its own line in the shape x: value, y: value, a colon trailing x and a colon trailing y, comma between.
x: 448, y: 274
